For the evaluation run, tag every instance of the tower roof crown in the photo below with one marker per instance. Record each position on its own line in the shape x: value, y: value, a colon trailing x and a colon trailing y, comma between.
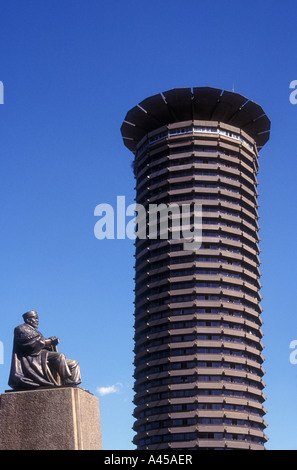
x: 200, y: 103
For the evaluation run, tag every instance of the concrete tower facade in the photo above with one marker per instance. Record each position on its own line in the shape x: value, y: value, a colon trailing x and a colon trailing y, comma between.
x: 198, y: 339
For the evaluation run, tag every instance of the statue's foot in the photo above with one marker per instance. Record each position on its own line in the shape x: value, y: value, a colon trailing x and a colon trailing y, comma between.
x: 70, y: 383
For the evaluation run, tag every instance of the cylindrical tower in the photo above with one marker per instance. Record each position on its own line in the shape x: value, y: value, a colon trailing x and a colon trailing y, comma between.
x: 198, y: 339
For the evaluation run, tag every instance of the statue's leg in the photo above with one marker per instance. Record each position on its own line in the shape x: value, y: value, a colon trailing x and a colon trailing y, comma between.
x: 67, y: 369
x: 57, y: 362
x: 75, y: 371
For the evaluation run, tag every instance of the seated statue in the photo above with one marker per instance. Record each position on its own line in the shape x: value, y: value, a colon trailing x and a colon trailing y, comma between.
x: 36, y: 361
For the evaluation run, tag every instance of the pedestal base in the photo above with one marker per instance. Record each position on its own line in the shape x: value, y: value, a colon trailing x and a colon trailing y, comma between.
x: 63, y: 418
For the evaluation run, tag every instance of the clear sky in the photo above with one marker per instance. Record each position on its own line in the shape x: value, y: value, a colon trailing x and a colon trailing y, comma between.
x: 71, y: 69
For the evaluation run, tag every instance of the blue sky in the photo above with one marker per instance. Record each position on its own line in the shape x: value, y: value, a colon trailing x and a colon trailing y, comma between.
x: 71, y: 70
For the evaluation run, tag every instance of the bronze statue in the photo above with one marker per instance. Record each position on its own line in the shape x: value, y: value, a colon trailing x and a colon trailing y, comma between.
x: 36, y: 361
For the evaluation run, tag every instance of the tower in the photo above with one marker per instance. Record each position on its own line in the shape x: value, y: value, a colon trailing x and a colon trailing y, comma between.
x: 198, y: 339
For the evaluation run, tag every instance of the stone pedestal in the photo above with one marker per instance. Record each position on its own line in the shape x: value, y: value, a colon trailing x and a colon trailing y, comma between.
x: 63, y: 418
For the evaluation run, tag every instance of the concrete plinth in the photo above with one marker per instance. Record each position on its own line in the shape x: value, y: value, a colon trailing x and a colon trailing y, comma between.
x: 63, y: 418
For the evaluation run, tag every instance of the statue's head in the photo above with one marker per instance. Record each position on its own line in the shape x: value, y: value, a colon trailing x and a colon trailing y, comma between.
x: 31, y: 318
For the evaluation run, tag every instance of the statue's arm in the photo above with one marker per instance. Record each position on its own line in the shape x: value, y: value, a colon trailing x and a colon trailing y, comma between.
x: 52, y: 341
x: 28, y: 341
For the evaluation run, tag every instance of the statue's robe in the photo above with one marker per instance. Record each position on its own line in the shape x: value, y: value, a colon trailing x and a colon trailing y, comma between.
x: 33, y: 365
x: 29, y: 364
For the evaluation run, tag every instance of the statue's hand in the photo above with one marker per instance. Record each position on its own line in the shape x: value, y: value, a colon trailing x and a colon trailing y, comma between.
x: 54, y: 340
